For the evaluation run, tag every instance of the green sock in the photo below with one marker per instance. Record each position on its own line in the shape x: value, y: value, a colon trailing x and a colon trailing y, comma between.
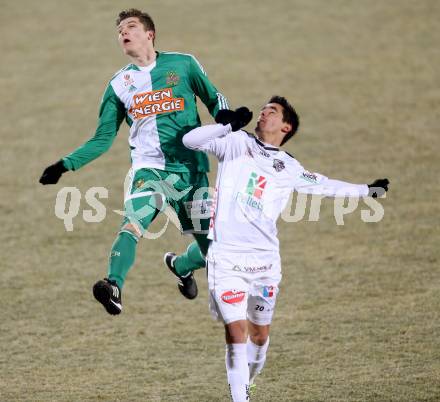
x: 122, y: 257
x: 190, y: 261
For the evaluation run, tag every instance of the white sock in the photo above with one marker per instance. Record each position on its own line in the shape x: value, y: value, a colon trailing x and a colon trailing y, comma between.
x: 256, y: 358
x: 238, y: 371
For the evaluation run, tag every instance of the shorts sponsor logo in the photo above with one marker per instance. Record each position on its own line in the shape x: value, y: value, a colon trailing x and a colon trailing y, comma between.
x: 139, y: 183
x: 251, y: 269
x: 268, y: 291
x: 232, y: 297
x: 155, y: 102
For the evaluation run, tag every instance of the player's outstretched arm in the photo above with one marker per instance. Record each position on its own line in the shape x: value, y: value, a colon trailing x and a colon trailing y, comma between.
x: 378, y: 188
x: 52, y: 173
x: 111, y: 115
x: 315, y: 183
x: 237, y: 118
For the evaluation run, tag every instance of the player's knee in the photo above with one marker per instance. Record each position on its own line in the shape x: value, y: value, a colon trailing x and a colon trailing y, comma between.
x: 258, y: 333
x: 235, y: 332
x: 133, y: 229
x: 259, y: 339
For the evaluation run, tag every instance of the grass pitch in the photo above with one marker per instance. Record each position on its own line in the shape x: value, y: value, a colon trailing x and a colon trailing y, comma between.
x: 358, y: 313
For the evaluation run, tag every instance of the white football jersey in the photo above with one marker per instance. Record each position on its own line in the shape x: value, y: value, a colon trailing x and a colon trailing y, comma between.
x: 254, y: 182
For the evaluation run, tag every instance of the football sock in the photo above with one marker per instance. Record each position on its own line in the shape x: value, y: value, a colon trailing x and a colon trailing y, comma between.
x: 193, y: 259
x: 203, y: 242
x: 256, y: 358
x: 122, y: 257
x: 237, y: 371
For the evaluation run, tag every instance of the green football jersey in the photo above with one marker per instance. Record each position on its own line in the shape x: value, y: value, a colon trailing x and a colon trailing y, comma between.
x: 159, y: 104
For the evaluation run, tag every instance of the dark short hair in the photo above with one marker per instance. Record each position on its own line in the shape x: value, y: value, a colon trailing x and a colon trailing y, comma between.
x: 289, y: 116
x: 144, y: 18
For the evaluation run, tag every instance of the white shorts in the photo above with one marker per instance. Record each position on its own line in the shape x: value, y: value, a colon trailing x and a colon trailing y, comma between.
x: 243, y: 286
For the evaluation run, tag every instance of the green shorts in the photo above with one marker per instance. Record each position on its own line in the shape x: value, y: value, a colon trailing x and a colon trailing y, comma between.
x: 152, y: 191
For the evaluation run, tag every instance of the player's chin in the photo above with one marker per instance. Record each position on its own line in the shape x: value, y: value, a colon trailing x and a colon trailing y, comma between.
x: 126, y: 46
x: 129, y: 52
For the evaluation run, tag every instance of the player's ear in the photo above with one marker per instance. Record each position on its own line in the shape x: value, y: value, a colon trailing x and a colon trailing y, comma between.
x: 286, y: 128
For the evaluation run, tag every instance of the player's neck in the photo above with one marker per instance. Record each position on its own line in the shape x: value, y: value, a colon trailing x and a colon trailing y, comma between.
x: 145, y: 59
x: 269, y: 139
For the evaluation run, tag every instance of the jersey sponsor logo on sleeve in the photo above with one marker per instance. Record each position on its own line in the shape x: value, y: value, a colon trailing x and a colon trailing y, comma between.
x: 147, y: 104
x: 311, y: 177
x: 232, y: 297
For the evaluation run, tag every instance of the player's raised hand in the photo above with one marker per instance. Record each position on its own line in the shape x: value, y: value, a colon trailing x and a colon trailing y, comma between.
x: 237, y: 119
x: 224, y: 116
x: 52, y: 173
x: 378, y: 188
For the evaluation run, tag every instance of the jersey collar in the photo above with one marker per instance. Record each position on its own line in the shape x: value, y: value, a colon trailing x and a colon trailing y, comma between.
x: 265, y: 146
x: 148, y: 68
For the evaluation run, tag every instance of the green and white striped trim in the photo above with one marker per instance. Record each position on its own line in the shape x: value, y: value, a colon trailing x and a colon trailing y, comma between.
x: 222, y: 101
